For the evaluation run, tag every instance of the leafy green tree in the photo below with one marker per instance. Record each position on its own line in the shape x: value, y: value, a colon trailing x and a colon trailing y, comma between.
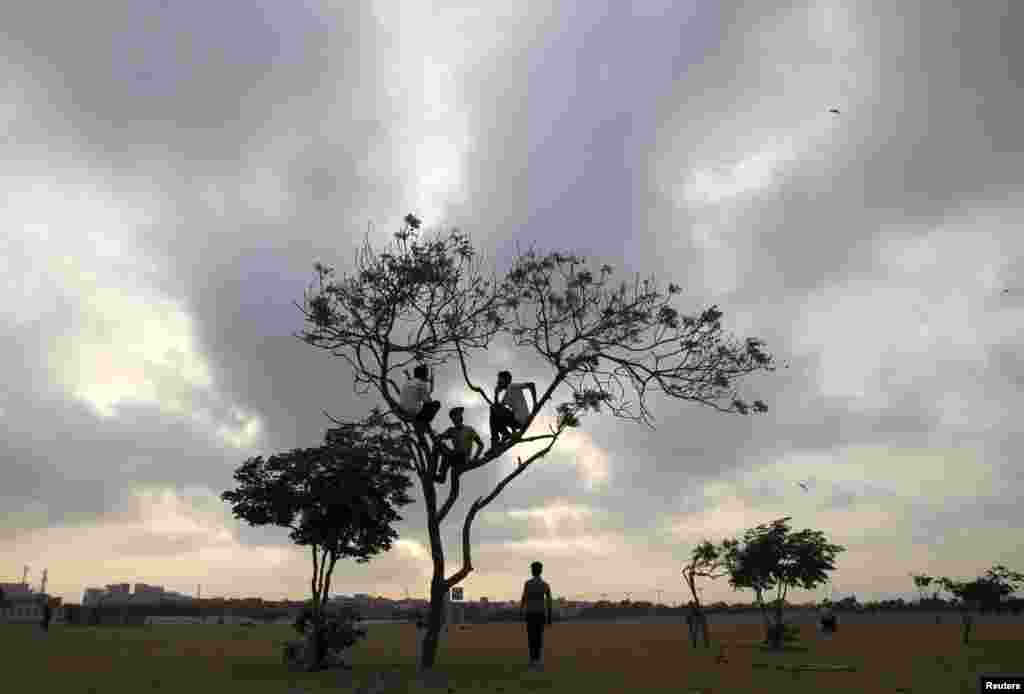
x: 338, y: 499
x: 921, y: 582
x: 982, y: 594
x: 427, y: 300
x: 771, y: 556
x: 706, y: 561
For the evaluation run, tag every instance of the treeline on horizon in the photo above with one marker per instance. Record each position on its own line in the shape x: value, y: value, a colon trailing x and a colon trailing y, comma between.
x: 256, y: 609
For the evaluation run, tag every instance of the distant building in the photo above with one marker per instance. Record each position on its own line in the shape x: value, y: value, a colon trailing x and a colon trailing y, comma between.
x: 12, y: 590
x: 21, y: 604
x: 119, y: 588
x: 93, y: 596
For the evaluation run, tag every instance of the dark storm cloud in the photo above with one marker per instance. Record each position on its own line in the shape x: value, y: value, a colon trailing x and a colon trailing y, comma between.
x: 270, y: 136
x: 186, y: 82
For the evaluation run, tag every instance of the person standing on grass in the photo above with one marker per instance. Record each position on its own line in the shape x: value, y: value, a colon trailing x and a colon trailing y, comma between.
x: 46, y: 616
x: 535, y: 603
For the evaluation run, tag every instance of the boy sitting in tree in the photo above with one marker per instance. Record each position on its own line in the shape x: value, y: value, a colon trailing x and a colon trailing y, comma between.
x: 510, y: 414
x: 415, y: 398
x: 462, y: 438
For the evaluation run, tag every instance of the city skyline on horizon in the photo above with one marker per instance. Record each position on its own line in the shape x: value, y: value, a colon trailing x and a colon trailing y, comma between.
x: 795, y: 596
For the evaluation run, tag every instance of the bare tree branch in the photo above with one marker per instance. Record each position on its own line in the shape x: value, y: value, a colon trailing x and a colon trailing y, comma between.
x: 607, y: 347
x: 479, y: 503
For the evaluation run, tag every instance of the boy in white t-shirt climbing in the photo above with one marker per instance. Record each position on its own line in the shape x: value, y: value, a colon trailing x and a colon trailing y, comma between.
x: 510, y: 414
x: 415, y: 398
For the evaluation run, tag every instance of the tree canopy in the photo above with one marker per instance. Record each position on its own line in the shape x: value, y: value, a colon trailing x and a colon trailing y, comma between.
x: 606, y: 346
x: 771, y: 556
x: 706, y: 561
x: 339, y: 499
x: 986, y: 591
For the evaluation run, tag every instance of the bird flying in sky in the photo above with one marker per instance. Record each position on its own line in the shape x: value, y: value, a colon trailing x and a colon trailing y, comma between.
x: 834, y: 110
x: 803, y: 485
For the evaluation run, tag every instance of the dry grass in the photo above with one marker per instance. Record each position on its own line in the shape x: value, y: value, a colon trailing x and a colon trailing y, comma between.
x: 578, y: 657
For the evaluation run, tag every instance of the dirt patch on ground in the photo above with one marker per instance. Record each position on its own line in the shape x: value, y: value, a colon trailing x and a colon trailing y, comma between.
x: 83, y: 664
x: 884, y: 657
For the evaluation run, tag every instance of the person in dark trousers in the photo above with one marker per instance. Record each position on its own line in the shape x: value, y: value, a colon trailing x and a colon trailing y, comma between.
x: 415, y: 398
x: 462, y: 438
x: 47, y: 616
x: 535, y: 603
x: 510, y: 414
x: 828, y: 620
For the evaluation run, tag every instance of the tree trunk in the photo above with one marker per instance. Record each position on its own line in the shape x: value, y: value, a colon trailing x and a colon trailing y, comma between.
x: 967, y: 623
x: 431, y: 639
x: 779, y: 627
x: 764, y: 615
x: 311, y: 656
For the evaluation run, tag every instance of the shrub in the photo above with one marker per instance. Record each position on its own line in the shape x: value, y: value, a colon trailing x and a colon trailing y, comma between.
x: 337, y: 633
x: 790, y: 633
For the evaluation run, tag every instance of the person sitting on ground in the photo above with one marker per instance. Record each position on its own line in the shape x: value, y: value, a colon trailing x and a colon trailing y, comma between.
x: 510, y: 415
x: 462, y: 437
x: 828, y: 620
x: 415, y: 399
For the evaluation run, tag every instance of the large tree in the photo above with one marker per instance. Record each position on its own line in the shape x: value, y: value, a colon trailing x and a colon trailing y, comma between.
x: 338, y: 499
x: 427, y: 300
x: 982, y: 594
x: 706, y: 561
x: 771, y: 556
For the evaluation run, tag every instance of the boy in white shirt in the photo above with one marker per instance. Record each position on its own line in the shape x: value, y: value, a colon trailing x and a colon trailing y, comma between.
x: 510, y: 414
x: 415, y: 399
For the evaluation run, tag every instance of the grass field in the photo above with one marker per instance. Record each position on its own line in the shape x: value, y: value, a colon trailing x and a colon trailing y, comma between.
x: 579, y: 657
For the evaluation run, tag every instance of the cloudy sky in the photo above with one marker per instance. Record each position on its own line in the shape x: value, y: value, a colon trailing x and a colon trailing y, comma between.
x: 171, y: 170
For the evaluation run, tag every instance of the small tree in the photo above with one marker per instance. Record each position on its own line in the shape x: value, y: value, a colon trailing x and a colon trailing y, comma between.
x: 427, y: 301
x: 982, y: 593
x: 338, y: 499
x: 706, y: 561
x: 921, y: 582
x: 770, y: 556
